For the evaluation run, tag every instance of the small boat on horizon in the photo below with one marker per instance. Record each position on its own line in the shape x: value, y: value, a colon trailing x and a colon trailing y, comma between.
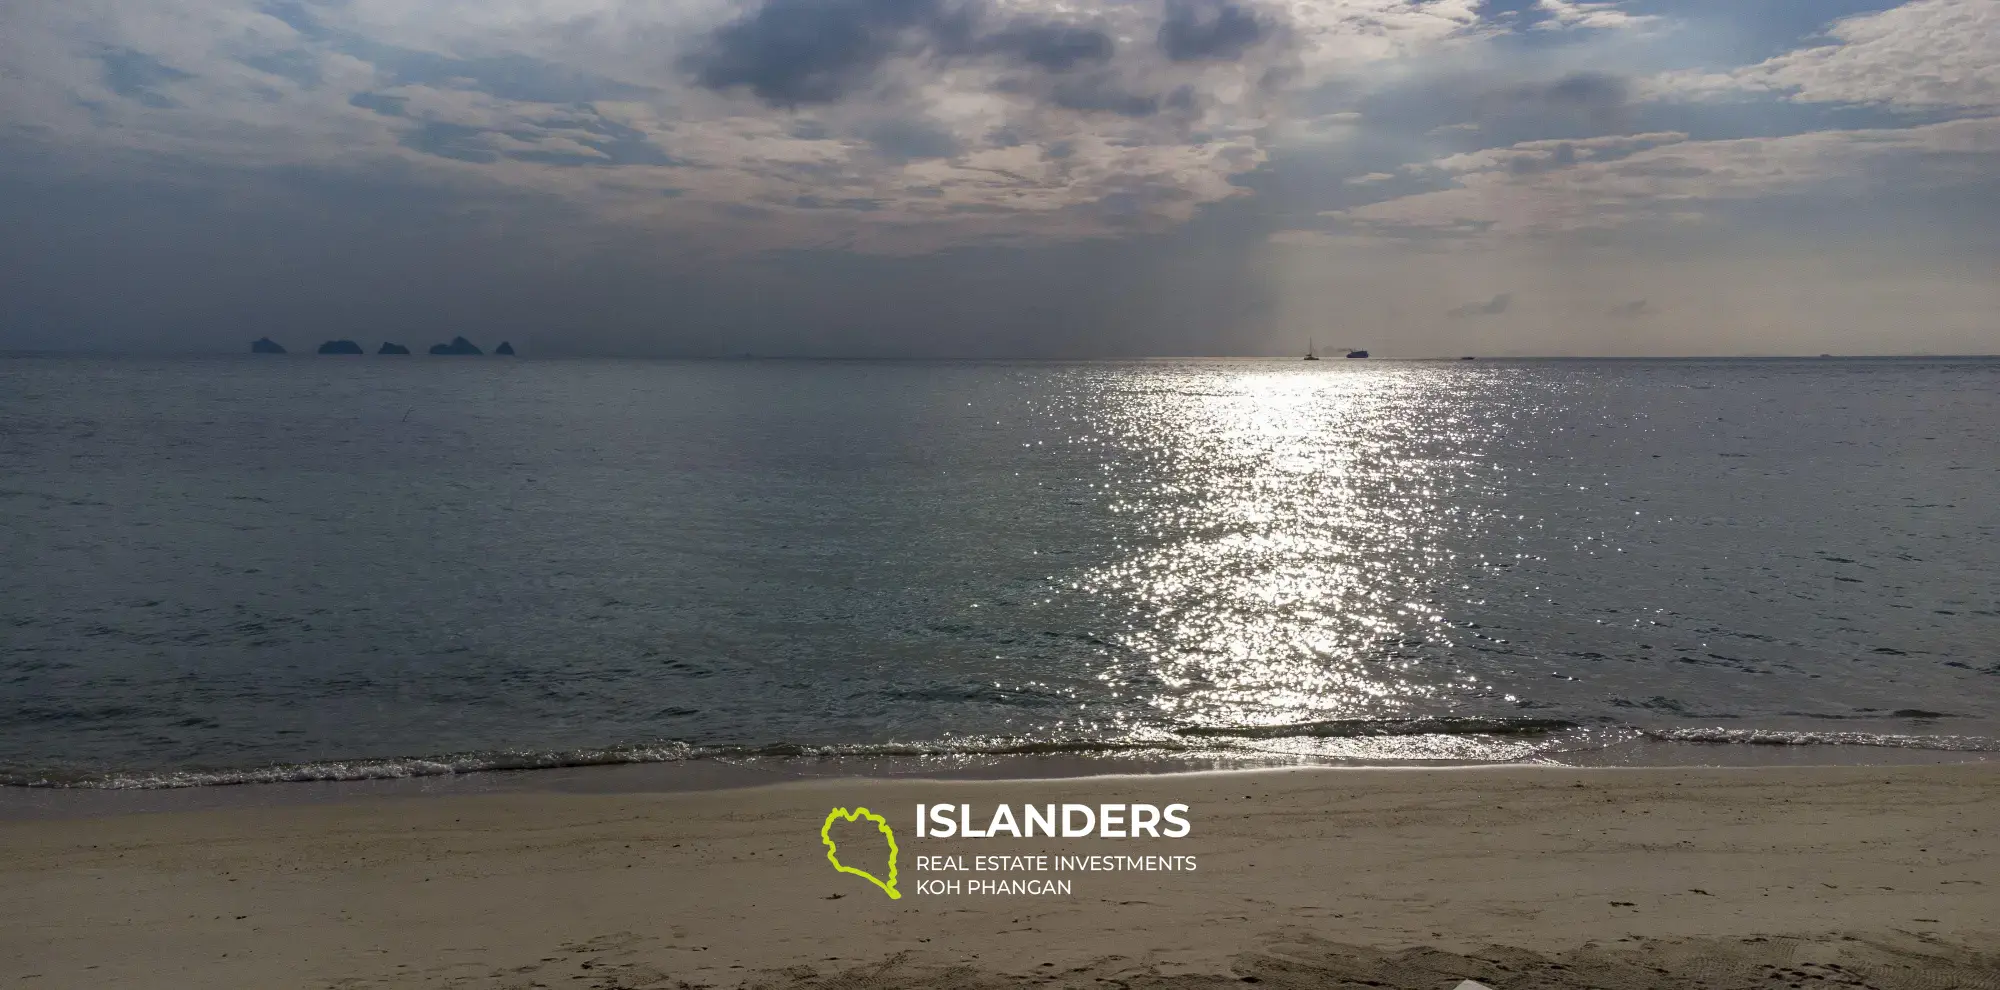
x: 1357, y: 354
x: 1310, y: 356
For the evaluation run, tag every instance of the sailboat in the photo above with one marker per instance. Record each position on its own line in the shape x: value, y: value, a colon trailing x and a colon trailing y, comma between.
x: 1310, y: 356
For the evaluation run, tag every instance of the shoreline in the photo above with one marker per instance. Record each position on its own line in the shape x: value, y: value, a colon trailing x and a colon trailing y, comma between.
x: 1307, y: 871
x: 30, y: 803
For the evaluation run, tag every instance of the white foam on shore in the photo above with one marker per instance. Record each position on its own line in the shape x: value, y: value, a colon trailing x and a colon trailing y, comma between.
x: 1423, y: 742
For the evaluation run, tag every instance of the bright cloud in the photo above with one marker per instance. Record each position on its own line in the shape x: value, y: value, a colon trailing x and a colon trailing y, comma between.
x: 1924, y: 55
x: 1560, y: 187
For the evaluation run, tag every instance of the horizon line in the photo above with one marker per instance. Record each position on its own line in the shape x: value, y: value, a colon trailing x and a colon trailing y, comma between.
x: 640, y: 356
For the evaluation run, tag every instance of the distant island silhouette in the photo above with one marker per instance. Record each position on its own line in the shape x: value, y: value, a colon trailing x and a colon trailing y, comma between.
x: 458, y: 345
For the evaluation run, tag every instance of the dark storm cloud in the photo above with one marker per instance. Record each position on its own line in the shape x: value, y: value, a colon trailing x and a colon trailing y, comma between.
x: 1195, y: 30
x: 792, y: 52
x: 1492, y: 307
x: 138, y: 77
x: 1056, y: 47
x: 1102, y: 94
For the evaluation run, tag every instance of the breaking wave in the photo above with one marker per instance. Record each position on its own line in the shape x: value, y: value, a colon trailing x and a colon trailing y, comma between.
x: 1193, y: 741
x: 1363, y: 727
x: 1781, y: 737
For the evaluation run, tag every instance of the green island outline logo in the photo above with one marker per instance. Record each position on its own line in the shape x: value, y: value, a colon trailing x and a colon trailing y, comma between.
x: 833, y: 852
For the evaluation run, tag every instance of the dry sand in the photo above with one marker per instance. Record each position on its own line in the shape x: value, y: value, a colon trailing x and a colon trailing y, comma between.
x: 1518, y: 877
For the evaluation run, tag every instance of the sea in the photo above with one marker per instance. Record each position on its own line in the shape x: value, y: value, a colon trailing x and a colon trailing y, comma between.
x: 282, y: 569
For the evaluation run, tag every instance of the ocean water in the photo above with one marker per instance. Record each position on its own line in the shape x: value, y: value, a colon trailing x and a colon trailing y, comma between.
x: 228, y: 570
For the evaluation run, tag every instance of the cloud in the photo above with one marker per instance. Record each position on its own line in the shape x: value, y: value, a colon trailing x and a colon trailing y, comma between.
x: 792, y: 52
x: 954, y: 138
x: 445, y: 140
x: 295, y: 64
x: 1559, y: 14
x: 908, y: 140
x: 1471, y: 107
x: 1590, y: 91
x: 1628, y: 310
x: 801, y: 52
x: 1209, y: 29
x: 140, y: 77
x: 387, y: 106
x: 1103, y: 93
x: 1529, y: 190
x: 505, y: 75
x: 1040, y: 117
x: 1529, y: 157
x: 1054, y: 46
x: 1597, y: 98
x: 1923, y: 55
x: 1492, y: 307
x: 935, y: 122
x: 948, y: 115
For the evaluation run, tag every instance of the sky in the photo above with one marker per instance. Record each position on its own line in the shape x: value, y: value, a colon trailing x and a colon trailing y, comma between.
x: 1003, y: 178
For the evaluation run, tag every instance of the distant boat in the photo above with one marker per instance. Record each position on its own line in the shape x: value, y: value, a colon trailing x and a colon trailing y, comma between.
x: 1468, y: 358
x: 1310, y: 356
x: 1357, y: 354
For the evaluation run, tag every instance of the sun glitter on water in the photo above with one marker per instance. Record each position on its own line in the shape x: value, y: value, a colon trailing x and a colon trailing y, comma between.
x: 1300, y: 526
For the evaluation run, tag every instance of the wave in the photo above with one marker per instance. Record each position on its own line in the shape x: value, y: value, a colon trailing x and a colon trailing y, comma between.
x: 1782, y: 737
x: 1188, y: 741
x: 483, y: 762
x: 1347, y: 728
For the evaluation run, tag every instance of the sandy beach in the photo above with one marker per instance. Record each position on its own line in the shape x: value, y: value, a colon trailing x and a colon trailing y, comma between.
x: 1519, y: 877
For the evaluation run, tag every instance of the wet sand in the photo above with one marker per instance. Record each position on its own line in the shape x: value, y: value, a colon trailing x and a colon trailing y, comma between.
x: 1518, y: 877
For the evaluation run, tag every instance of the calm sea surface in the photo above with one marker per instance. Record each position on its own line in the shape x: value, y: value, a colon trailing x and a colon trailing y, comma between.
x: 312, y: 567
